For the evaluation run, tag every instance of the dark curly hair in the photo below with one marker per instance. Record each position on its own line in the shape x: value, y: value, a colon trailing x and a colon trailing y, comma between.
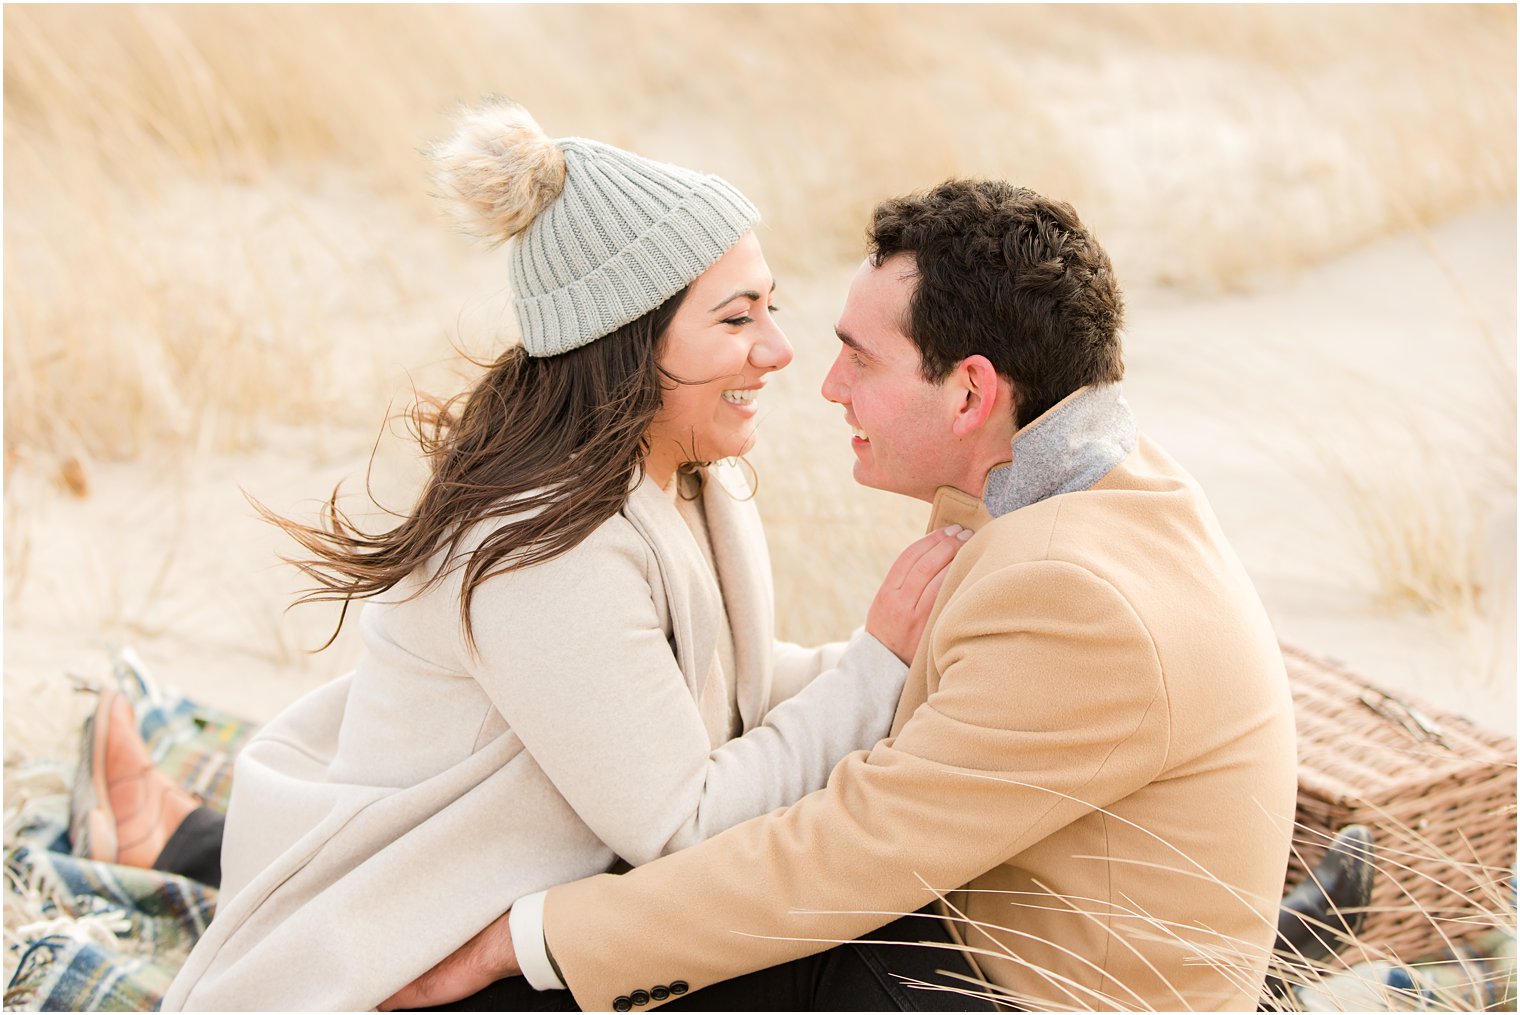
x: 1010, y: 275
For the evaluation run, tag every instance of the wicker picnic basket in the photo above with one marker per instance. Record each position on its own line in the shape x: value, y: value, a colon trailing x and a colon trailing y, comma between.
x: 1437, y: 791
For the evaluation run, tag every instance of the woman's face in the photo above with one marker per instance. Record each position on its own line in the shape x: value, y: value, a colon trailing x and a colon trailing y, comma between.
x: 725, y: 342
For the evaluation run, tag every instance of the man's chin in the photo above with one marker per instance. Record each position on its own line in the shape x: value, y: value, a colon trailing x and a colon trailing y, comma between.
x: 863, y: 476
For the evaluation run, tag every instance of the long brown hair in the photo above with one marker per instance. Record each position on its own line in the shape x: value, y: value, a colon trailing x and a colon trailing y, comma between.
x: 552, y: 446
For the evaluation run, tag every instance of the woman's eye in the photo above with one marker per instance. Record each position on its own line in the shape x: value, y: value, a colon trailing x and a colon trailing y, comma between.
x: 774, y: 310
x: 738, y: 322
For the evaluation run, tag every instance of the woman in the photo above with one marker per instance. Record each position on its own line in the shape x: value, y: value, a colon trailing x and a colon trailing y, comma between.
x: 569, y: 661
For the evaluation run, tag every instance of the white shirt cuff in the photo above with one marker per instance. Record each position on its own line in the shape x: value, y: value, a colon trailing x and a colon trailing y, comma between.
x: 526, y: 921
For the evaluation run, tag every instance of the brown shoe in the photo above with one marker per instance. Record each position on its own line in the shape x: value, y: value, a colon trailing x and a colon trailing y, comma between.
x: 124, y: 808
x: 92, y: 826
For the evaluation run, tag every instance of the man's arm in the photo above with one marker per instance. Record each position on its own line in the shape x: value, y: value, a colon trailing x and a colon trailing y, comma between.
x: 1050, y: 705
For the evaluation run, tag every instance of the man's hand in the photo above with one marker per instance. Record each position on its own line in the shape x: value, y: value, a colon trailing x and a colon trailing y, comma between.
x: 479, y: 962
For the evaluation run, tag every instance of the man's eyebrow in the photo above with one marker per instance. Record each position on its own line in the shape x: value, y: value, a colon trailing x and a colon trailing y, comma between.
x: 847, y: 340
x: 749, y: 294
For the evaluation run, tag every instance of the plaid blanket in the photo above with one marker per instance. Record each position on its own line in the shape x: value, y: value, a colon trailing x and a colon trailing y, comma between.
x: 85, y: 936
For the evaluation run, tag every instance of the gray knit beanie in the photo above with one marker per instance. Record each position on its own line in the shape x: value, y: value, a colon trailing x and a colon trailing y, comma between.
x: 603, y: 236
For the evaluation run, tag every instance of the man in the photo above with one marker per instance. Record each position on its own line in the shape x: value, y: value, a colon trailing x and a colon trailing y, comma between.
x: 1091, y: 772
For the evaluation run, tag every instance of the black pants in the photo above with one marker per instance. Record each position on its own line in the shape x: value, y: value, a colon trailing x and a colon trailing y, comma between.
x: 194, y: 850
x: 859, y: 976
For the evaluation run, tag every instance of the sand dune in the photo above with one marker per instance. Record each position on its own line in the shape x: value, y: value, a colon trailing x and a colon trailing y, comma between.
x: 222, y: 266
x: 166, y: 555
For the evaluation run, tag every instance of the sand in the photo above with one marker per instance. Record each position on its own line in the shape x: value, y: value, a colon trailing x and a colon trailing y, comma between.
x: 1371, y: 352
x: 1247, y: 390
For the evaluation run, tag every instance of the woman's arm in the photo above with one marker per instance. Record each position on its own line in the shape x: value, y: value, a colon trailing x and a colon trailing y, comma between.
x: 895, y: 620
x: 795, y: 666
x: 573, y: 655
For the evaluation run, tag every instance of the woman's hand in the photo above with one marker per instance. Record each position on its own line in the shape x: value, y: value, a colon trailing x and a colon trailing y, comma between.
x: 479, y: 962
x: 901, y: 608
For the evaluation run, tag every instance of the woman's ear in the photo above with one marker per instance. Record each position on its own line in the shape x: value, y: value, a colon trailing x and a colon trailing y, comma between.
x: 978, y: 391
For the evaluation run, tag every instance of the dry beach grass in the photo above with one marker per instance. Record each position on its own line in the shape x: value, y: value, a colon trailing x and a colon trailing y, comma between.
x: 223, y: 267
x: 240, y: 185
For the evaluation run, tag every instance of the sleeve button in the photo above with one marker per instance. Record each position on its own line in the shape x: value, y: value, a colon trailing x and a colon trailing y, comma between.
x: 659, y: 993
x: 679, y: 987
x: 639, y: 998
x: 622, y: 1004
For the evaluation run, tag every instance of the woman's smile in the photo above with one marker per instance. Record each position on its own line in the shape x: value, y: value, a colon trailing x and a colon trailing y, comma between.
x: 718, y: 351
x: 743, y: 400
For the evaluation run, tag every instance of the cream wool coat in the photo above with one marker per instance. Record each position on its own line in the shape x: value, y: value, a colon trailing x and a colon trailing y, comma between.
x: 385, y: 818
x: 1093, y: 763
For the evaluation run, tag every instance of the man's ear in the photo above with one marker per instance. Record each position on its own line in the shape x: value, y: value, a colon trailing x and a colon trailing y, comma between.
x: 978, y: 390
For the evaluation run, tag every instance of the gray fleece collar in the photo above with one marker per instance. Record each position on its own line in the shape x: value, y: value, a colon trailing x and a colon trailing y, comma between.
x: 1070, y: 447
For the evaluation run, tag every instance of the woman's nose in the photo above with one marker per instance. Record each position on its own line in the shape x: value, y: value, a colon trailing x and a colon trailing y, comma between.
x: 772, y: 351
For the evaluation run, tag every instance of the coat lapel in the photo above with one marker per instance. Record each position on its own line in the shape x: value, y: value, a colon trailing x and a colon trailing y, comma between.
x: 743, y: 563
x: 691, y: 593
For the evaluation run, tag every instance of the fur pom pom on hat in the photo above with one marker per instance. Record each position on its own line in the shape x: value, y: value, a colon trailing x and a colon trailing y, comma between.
x: 602, y: 236
x: 498, y: 171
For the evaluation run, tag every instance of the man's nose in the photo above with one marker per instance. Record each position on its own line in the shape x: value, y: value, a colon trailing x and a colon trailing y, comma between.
x: 834, y: 387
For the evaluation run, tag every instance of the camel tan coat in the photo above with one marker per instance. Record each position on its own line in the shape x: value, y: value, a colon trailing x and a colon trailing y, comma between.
x: 384, y: 819
x: 1092, y: 762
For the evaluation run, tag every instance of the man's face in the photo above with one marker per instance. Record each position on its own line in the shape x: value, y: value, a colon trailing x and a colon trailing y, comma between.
x: 903, y: 440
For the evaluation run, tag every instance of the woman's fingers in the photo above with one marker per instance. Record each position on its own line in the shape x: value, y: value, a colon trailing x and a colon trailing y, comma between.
x: 912, y: 553
x: 935, y: 558
x: 931, y: 590
x: 915, y: 552
x: 900, y: 611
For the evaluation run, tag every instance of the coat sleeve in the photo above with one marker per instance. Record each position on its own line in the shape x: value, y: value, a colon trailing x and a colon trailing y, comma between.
x: 574, y: 656
x: 1050, y: 704
x: 795, y: 666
